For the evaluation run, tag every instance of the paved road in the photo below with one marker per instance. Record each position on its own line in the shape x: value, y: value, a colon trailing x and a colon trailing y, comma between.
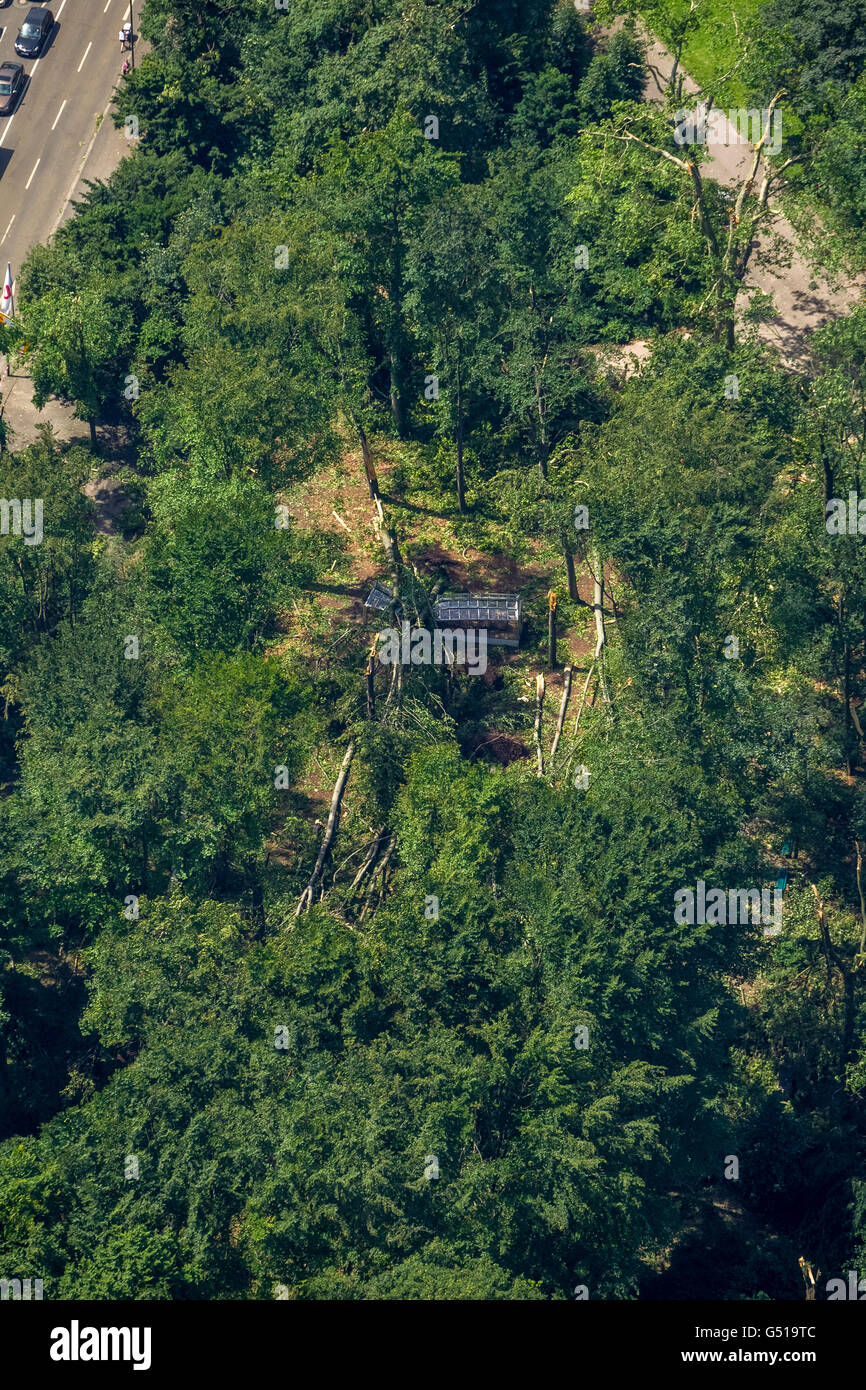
x: 44, y: 144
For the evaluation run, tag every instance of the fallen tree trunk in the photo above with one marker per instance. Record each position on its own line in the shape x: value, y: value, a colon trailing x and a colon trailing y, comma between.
x: 583, y: 698
x: 369, y: 466
x: 566, y: 692
x: 859, y: 850
x: 539, y: 703
x: 577, y: 719
x: 372, y: 851
x: 370, y: 673
x: 598, y: 610
x: 330, y: 831
x: 388, y: 540
x: 381, y: 871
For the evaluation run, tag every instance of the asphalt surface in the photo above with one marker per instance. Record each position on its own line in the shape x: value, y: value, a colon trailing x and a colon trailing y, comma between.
x: 55, y: 129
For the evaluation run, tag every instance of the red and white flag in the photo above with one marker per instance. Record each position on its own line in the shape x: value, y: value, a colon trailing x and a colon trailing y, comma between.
x: 6, y: 300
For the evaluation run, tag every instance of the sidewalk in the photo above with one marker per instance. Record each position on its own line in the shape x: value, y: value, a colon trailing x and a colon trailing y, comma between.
x: 99, y: 160
x: 24, y: 419
x: 103, y: 488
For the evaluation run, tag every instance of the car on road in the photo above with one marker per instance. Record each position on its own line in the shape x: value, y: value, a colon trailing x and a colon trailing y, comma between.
x: 33, y: 34
x: 11, y: 86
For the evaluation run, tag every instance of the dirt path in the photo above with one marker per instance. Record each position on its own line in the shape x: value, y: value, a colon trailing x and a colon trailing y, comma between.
x: 803, y: 299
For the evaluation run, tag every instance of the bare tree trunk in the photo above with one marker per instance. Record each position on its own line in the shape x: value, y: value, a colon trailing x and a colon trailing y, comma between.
x: 580, y: 710
x: 570, y: 572
x: 563, y: 706
x: 810, y: 1279
x: 848, y: 1016
x: 598, y: 610
x: 371, y: 686
x: 372, y: 851
x: 672, y: 80
x: 392, y: 684
x: 369, y: 466
x: 397, y: 392
x: 847, y: 699
x: 583, y: 699
x: 383, y: 869
x: 827, y: 469
x: 424, y: 609
x: 461, y: 492
x: 389, y: 541
x: 330, y: 831
x: 832, y: 956
x: 539, y: 703
x: 846, y: 686
x: 543, y: 455
x: 862, y: 903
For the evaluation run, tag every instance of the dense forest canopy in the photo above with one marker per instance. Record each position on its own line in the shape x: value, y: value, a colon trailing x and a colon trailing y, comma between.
x: 334, y: 979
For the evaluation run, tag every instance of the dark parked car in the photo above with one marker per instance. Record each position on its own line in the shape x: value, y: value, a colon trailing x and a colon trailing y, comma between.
x: 34, y: 32
x: 11, y: 86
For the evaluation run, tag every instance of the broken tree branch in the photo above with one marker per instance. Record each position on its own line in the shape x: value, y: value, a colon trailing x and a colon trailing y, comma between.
x: 382, y: 871
x: 372, y: 851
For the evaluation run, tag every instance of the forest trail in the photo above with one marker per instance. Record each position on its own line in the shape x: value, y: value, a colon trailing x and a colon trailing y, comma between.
x: 804, y: 299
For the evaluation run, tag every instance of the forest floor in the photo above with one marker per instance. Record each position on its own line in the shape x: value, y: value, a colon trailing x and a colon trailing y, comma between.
x: 330, y: 623
x: 430, y: 537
